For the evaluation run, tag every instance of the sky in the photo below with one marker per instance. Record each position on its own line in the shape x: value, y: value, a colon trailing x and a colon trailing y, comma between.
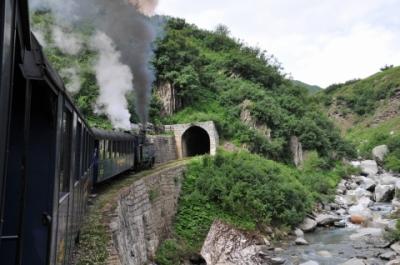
x: 319, y: 42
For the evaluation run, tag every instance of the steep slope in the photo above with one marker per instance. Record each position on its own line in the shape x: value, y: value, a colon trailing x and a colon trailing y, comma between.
x: 312, y: 89
x: 203, y: 75
x: 368, y: 111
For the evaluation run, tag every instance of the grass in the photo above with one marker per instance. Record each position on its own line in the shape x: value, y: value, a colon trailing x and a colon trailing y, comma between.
x: 366, y: 138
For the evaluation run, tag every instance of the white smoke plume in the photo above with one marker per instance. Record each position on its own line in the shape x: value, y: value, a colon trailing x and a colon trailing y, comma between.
x: 127, y: 23
x: 68, y: 43
x: 146, y: 7
x: 73, y: 83
x: 115, y: 81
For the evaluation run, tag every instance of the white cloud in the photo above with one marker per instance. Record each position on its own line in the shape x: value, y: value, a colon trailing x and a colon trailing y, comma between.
x: 319, y: 42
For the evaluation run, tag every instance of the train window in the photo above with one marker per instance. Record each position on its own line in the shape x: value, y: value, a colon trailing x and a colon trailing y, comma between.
x: 78, y: 151
x: 106, y: 147
x: 110, y: 146
x: 87, y: 150
x: 101, y: 149
x: 65, y: 166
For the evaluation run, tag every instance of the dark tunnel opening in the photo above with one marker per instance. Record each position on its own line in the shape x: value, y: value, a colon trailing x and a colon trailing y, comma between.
x: 195, y: 141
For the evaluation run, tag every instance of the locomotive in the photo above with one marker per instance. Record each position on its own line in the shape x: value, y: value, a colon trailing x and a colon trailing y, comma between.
x: 50, y: 158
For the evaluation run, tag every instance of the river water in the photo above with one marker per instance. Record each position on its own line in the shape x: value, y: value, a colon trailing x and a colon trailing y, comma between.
x: 332, y: 246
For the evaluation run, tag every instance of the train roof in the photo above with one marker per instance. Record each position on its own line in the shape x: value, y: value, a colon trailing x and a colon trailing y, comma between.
x: 112, y: 135
x: 36, y: 67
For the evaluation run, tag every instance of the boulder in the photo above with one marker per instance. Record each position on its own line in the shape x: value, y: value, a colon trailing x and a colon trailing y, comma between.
x: 298, y: 232
x: 367, y: 183
x: 308, y: 225
x: 396, y: 247
x: 388, y: 255
x: 360, y: 210
x: 384, y: 193
x: 387, y: 179
x: 394, y: 262
x: 354, y: 261
x: 379, y: 152
x: 355, y: 163
x: 357, y: 219
x: 340, y: 224
x: 327, y: 219
x: 369, y: 167
x: 310, y: 262
x: 341, y: 212
x: 301, y: 241
x: 359, y: 192
x: 229, y: 246
x: 325, y: 254
x: 277, y: 260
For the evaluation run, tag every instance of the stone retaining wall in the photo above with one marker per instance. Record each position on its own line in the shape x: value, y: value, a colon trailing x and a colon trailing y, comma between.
x: 165, y: 147
x: 143, y: 216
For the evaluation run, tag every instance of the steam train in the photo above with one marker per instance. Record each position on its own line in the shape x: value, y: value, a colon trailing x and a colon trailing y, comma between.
x: 50, y: 158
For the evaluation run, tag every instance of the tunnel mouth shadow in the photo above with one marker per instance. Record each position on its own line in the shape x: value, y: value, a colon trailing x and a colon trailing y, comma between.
x: 195, y: 141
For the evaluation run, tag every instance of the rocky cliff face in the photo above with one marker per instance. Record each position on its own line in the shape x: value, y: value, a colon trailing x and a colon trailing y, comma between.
x: 249, y: 120
x: 170, y: 102
x: 229, y: 246
x: 297, y: 151
x: 143, y: 216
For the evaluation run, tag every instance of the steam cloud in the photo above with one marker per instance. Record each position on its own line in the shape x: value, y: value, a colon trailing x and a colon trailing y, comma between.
x: 68, y: 43
x: 127, y: 23
x: 74, y: 82
x: 114, y: 79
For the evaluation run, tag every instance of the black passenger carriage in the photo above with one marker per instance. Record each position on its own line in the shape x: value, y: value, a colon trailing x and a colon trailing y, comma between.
x: 49, y: 156
x: 115, y: 152
x: 46, y: 151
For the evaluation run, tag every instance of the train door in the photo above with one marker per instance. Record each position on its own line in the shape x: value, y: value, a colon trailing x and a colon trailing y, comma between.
x: 30, y: 174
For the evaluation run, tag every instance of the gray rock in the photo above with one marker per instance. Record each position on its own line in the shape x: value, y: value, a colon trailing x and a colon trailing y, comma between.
x: 340, y: 224
x: 354, y: 261
x: 384, y: 193
x: 278, y: 250
x: 379, y: 152
x: 388, y: 255
x: 298, y: 232
x: 368, y: 184
x: 310, y: 262
x: 341, y: 212
x: 396, y: 247
x: 301, y: 241
x: 327, y: 219
x: 394, y: 262
x: 325, y: 254
x: 308, y: 225
x: 387, y: 179
x: 369, y: 167
x: 277, y: 260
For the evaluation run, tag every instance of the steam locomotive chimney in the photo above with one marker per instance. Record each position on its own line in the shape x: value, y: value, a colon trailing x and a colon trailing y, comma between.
x: 142, y: 134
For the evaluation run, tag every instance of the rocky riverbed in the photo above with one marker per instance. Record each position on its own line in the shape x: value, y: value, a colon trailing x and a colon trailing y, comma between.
x: 352, y: 229
x: 349, y: 231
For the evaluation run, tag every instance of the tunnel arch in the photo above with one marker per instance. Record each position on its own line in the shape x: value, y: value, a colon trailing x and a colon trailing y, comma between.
x: 195, y: 141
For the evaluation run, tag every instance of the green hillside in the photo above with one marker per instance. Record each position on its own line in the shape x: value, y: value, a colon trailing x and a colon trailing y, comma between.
x: 368, y: 112
x: 312, y: 89
x: 216, y: 77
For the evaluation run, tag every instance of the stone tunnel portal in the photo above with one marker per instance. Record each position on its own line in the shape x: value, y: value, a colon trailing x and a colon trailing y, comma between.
x: 195, y: 141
